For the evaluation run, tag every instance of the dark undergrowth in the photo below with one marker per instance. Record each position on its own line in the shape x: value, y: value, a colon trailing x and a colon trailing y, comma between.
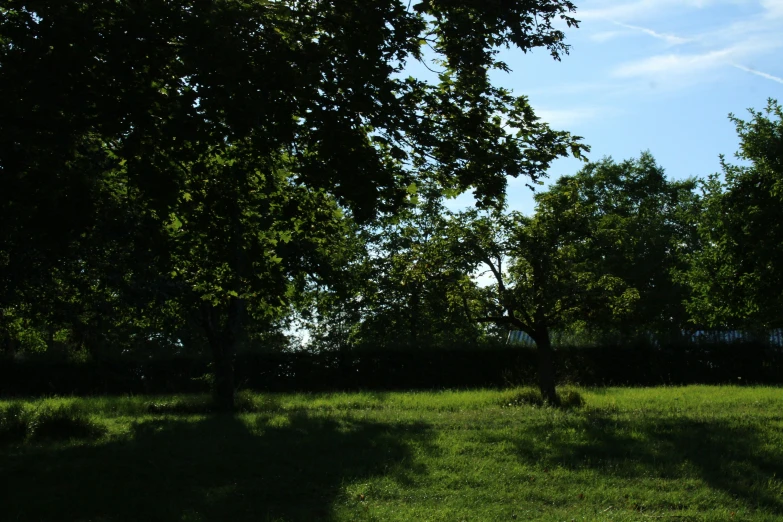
x: 18, y: 424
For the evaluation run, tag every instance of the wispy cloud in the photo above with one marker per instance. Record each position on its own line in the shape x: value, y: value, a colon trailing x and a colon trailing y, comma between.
x: 668, y: 38
x: 774, y: 8
x: 581, y: 88
x: 673, y: 64
x: 642, y: 9
x: 693, y: 66
x: 758, y: 73
x: 677, y: 44
x: 604, y: 36
x: 566, y: 118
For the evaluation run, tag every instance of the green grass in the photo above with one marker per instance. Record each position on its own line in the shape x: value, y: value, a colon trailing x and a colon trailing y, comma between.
x: 686, y: 453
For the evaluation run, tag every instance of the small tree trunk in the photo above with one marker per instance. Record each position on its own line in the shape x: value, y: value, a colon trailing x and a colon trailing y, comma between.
x: 224, y: 376
x: 222, y: 343
x: 413, y: 336
x: 546, y: 367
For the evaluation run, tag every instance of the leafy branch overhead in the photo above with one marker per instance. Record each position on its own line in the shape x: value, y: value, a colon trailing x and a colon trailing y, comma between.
x: 234, y: 140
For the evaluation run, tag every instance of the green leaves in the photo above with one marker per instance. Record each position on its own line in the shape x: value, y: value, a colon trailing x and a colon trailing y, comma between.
x: 600, y: 249
x: 737, y: 276
x: 209, y: 151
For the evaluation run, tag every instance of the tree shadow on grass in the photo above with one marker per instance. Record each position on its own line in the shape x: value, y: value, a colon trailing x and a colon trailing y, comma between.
x: 289, y: 467
x: 737, y: 459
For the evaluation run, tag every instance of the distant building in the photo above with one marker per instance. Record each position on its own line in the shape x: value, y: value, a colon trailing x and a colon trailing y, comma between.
x: 519, y: 337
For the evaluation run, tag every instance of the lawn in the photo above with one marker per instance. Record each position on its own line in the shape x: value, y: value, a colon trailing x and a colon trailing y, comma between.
x: 674, y: 453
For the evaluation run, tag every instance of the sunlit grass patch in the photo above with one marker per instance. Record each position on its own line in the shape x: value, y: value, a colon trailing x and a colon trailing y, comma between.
x: 620, y: 454
x: 62, y: 423
x: 46, y: 422
x: 568, y: 397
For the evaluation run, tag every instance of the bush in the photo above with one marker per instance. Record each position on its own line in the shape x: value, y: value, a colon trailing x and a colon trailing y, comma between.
x: 532, y: 397
x: 194, y: 406
x: 13, y: 424
x: 570, y: 399
x: 523, y: 397
x: 243, y: 403
x: 62, y: 423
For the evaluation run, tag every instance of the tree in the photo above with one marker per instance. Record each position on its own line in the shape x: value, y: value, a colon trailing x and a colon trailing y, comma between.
x: 600, y: 248
x: 642, y: 227
x: 536, y: 271
x: 143, y: 100
x: 737, y: 275
x: 406, y: 292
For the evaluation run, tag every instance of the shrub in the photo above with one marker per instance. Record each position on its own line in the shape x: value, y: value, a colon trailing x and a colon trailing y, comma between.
x: 571, y: 399
x: 523, y: 397
x: 200, y: 405
x: 13, y: 424
x: 188, y: 406
x: 62, y: 423
x: 532, y: 397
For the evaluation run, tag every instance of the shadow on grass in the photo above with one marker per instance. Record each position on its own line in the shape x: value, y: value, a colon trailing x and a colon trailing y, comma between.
x: 289, y: 467
x: 736, y: 459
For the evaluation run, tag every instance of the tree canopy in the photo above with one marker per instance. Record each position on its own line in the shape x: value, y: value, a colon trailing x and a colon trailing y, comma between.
x: 217, y: 132
x: 205, y: 177
x: 737, y: 275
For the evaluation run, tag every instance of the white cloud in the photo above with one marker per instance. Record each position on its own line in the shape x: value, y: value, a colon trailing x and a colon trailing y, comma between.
x: 606, y: 35
x: 774, y: 8
x: 673, y: 64
x: 643, y: 9
x: 747, y: 38
x: 759, y: 73
x: 562, y: 119
x: 565, y: 118
x: 766, y: 22
x: 572, y: 88
x: 668, y: 38
x: 707, y: 40
x: 693, y: 66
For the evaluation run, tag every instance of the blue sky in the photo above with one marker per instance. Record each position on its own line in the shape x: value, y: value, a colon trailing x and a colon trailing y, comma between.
x: 661, y: 75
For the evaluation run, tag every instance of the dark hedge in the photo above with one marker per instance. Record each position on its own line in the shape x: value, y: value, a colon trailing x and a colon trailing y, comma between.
x: 744, y: 363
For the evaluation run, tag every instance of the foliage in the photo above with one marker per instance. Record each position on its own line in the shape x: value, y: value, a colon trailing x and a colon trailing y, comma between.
x: 195, y: 156
x: 635, y: 363
x: 614, y: 233
x: 600, y: 250
x: 13, y: 424
x: 737, y: 276
x: 62, y: 423
x: 638, y: 228
x: 402, y: 291
x: 569, y: 398
x: 47, y: 422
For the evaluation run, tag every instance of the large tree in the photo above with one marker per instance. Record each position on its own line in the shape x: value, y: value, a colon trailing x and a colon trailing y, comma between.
x: 641, y: 226
x: 737, y: 276
x: 127, y: 106
x: 600, y: 250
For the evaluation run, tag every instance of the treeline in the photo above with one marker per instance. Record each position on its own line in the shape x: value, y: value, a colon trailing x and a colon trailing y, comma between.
x: 230, y: 178
x: 415, y: 368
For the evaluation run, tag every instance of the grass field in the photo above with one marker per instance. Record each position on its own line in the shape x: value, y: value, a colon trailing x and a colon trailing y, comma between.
x: 687, y: 453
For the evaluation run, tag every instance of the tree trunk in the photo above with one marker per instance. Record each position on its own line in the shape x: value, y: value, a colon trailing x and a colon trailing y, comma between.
x: 546, y: 367
x: 7, y: 341
x: 413, y: 323
x: 224, y: 377
x: 222, y: 343
x: 8, y: 345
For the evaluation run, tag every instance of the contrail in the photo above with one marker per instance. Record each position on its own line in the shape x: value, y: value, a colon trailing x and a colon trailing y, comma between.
x: 672, y: 39
x: 758, y: 73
